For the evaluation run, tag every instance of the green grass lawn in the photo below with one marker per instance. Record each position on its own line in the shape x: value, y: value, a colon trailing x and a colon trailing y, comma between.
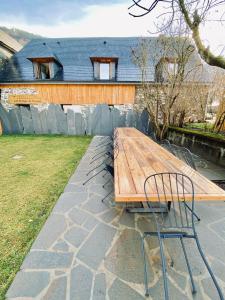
x: 202, y: 126
x: 34, y: 171
x: 199, y: 131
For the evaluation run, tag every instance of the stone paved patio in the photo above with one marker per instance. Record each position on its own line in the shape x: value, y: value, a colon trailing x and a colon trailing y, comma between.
x: 90, y: 250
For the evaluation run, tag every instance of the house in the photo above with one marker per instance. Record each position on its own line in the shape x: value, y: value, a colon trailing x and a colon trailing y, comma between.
x: 8, y: 45
x: 77, y: 71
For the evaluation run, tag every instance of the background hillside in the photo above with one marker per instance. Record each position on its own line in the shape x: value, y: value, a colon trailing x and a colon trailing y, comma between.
x: 23, y: 37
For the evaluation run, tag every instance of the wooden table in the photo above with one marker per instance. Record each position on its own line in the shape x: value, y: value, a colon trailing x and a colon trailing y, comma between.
x: 139, y: 157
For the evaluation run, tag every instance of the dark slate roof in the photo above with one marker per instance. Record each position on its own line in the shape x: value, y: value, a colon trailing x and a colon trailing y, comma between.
x: 74, y: 55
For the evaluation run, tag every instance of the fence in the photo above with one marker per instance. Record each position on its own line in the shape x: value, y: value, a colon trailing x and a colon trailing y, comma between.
x: 52, y: 119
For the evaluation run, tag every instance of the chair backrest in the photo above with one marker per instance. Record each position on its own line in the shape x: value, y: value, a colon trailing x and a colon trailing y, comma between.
x: 165, y: 142
x: 184, y: 154
x: 167, y: 145
x: 174, y: 190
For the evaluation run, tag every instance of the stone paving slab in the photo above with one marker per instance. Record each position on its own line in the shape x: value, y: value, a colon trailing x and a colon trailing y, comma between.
x: 119, y: 290
x: 28, y: 284
x: 76, y: 236
x: 47, y: 260
x: 92, y: 250
x: 100, y: 241
x: 57, y: 289
x: 99, y: 292
x: 69, y: 200
x: 81, y: 283
x: 55, y: 226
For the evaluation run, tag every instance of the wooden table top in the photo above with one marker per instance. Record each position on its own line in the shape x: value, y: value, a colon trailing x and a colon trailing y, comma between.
x: 139, y: 157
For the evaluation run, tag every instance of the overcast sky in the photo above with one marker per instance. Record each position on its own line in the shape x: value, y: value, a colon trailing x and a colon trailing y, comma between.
x: 73, y: 18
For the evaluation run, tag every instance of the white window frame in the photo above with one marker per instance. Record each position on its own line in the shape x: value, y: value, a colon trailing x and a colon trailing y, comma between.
x: 172, y: 68
x: 104, y: 74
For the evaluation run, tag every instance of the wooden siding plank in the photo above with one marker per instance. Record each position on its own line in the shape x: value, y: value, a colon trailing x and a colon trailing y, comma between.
x: 80, y: 94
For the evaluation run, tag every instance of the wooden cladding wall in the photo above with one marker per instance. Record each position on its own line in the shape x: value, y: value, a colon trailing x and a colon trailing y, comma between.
x: 72, y: 94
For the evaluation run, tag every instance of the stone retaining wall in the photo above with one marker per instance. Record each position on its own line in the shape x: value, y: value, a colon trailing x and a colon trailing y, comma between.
x: 207, y: 148
x: 72, y: 120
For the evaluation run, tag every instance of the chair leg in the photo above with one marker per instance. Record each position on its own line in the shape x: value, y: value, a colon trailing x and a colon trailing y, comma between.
x: 209, y: 269
x: 104, y: 185
x: 110, y: 179
x: 103, y: 199
x: 97, y: 158
x: 166, y: 293
x: 85, y: 182
x: 96, y: 152
x: 96, y: 167
x: 145, y: 266
x: 188, y: 207
x: 100, y: 154
x: 188, y: 266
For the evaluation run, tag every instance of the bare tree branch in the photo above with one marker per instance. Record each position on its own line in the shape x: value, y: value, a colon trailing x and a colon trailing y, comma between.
x: 194, y: 13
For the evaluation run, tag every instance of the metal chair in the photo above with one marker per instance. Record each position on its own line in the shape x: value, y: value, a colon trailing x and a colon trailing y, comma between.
x: 104, y: 153
x: 106, y: 168
x: 109, y: 147
x: 110, y: 141
x: 110, y: 170
x: 178, y: 223
x: 165, y: 141
x: 101, y: 154
x: 109, y: 156
x: 167, y: 145
x: 185, y: 155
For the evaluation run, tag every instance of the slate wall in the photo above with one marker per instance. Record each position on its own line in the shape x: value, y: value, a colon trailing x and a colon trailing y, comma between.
x: 52, y: 119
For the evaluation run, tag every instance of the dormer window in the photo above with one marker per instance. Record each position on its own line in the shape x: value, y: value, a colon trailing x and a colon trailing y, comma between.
x: 172, y: 68
x: 42, y: 71
x: 45, y: 67
x: 104, y: 72
x: 166, y: 69
x: 104, y: 68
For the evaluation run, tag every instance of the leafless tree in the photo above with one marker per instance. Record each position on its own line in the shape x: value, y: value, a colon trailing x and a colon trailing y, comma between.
x: 217, y: 94
x: 172, y: 69
x: 191, y: 104
x: 194, y: 12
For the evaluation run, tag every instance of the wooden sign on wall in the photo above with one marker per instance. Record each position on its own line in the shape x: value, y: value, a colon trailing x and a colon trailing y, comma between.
x: 24, y: 99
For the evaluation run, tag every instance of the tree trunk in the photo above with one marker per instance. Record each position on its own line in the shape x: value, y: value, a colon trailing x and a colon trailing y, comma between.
x: 181, y: 118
